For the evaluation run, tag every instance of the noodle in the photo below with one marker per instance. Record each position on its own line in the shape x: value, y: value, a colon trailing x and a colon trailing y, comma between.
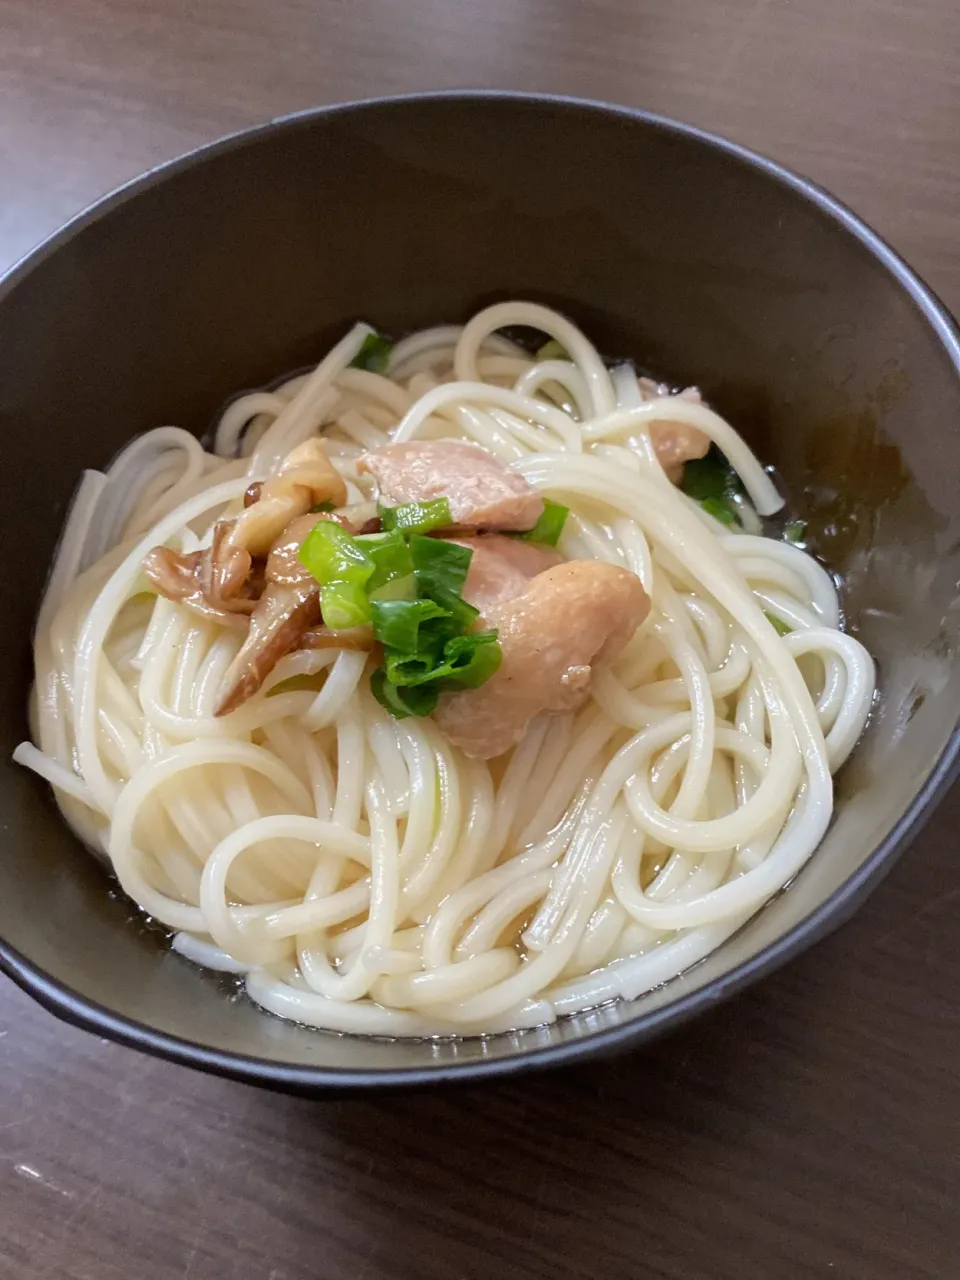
x: 360, y: 873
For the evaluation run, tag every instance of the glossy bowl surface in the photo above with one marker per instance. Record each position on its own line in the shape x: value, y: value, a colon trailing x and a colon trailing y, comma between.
x: 706, y: 263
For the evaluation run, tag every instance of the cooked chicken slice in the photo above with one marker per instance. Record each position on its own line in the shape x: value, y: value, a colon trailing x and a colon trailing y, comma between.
x: 482, y: 492
x: 675, y: 442
x: 569, y: 618
x: 501, y: 568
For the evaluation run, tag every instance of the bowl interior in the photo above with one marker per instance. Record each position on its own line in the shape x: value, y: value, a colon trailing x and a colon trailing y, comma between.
x: 227, y: 270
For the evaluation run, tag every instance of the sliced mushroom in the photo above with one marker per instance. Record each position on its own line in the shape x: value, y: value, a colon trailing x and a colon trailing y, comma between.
x: 285, y: 619
x: 276, y: 628
x: 229, y: 582
x: 187, y: 577
x: 225, y: 581
x: 284, y: 566
x: 355, y: 638
x: 305, y: 478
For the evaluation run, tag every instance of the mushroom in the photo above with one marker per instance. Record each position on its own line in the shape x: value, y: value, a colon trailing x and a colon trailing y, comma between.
x: 305, y: 478
x: 225, y: 593
x: 284, y: 619
x: 225, y: 582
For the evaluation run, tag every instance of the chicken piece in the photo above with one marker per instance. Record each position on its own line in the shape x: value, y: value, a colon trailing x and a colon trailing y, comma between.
x: 569, y: 618
x: 482, y: 492
x: 675, y: 442
x: 501, y: 568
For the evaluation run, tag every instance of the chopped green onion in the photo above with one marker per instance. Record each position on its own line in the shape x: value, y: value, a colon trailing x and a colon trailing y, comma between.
x: 331, y: 555
x: 713, y: 483
x: 708, y: 477
x: 390, y: 555
x: 781, y: 628
x: 466, y: 661
x: 409, y: 586
x: 322, y: 507
x: 470, y: 660
x: 795, y: 530
x: 404, y: 588
x: 461, y: 611
x: 374, y: 355
x: 397, y: 624
x: 553, y: 350
x: 344, y: 604
x: 417, y: 517
x: 441, y: 567
x: 720, y: 509
x: 403, y: 702
x: 549, y: 527
x: 409, y: 670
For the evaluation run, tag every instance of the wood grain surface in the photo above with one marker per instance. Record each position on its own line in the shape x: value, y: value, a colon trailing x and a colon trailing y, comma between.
x: 809, y: 1129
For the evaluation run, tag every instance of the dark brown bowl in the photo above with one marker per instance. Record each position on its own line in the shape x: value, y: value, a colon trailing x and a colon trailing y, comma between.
x: 706, y: 263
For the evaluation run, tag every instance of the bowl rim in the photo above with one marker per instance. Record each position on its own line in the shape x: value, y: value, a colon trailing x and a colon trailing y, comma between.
x: 69, y: 1005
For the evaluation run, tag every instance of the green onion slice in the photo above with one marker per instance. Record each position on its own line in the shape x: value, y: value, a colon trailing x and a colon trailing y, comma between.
x: 403, y: 702
x: 344, y: 604
x: 549, y: 527
x: 374, y: 355
x: 417, y: 517
x: 330, y: 554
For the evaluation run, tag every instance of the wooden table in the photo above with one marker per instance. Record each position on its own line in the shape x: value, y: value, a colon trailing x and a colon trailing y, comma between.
x: 809, y: 1129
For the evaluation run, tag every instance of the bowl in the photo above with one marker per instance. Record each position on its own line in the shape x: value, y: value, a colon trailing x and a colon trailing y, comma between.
x: 707, y: 263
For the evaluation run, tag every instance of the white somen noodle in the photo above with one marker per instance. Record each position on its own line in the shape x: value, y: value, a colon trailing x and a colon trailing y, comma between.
x: 360, y: 872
